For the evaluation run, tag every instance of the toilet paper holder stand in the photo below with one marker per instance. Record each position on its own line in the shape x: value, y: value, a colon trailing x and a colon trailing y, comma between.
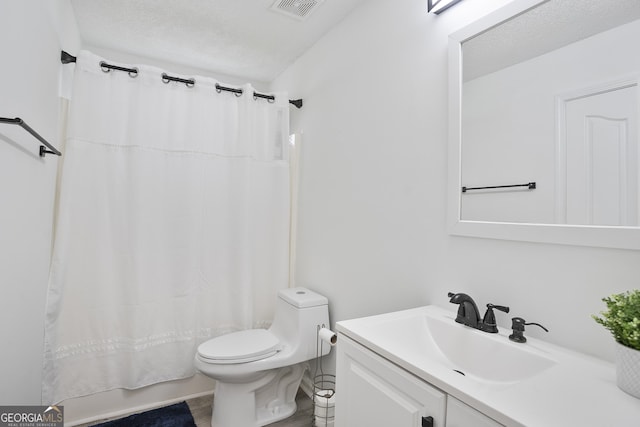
x: 324, y: 385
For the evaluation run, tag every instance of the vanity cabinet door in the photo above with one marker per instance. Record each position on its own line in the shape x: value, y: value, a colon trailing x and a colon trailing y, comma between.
x: 373, y: 392
x: 462, y: 415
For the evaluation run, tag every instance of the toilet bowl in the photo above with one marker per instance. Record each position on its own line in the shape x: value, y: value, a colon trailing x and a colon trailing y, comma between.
x: 258, y: 371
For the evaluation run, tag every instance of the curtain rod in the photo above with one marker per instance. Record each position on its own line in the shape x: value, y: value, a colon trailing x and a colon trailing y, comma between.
x: 67, y: 58
x: 43, y: 150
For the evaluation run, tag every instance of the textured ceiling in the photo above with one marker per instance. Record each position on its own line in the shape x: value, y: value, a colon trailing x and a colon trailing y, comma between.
x: 542, y: 29
x: 241, y: 38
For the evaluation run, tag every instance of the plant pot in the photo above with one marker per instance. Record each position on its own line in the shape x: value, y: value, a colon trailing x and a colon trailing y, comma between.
x: 628, y: 369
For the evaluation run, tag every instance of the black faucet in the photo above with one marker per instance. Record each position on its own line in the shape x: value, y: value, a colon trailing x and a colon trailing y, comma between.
x: 467, y: 310
x: 469, y: 315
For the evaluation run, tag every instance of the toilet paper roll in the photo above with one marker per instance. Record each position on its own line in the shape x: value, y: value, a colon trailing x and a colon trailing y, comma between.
x: 328, y: 336
x: 324, y: 398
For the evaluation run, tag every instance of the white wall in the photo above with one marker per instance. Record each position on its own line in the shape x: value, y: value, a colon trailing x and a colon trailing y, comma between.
x: 372, y: 214
x: 32, y: 33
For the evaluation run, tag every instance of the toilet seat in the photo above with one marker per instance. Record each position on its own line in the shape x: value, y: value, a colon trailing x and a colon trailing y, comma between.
x: 240, y: 347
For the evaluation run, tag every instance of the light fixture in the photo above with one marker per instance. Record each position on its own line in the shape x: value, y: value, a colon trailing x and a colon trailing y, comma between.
x: 439, y: 6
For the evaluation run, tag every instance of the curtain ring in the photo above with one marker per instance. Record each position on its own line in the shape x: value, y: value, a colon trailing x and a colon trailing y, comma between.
x: 133, y: 73
x: 270, y: 99
x: 236, y: 92
x: 190, y: 83
x: 104, y: 68
x: 165, y: 78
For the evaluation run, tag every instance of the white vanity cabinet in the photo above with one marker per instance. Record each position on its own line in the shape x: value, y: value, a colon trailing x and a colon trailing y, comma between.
x: 373, y: 392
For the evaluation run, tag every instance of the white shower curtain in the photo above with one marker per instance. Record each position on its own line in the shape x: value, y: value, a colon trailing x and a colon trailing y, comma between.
x: 172, y: 227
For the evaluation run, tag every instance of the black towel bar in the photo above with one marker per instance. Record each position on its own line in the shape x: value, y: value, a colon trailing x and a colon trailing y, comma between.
x: 529, y: 185
x: 44, y: 149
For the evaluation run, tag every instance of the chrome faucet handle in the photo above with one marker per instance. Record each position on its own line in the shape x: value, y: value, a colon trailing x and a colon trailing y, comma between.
x: 518, y: 324
x: 489, y: 319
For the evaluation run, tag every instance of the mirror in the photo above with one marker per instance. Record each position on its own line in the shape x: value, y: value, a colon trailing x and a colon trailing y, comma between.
x: 544, y: 111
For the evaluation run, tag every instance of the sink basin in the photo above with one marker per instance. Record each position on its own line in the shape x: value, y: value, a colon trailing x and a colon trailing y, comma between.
x: 430, y: 336
x: 487, y: 356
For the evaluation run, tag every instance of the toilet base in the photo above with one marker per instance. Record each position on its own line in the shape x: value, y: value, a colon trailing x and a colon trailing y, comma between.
x: 263, y: 401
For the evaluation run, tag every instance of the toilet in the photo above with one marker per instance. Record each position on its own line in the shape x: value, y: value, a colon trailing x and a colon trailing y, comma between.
x: 258, y: 371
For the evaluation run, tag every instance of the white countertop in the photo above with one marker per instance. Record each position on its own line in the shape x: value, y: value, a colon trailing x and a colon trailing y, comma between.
x: 578, y: 390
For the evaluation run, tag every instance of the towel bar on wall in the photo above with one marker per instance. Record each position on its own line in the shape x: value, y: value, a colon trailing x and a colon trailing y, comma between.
x: 43, y: 148
x: 529, y: 185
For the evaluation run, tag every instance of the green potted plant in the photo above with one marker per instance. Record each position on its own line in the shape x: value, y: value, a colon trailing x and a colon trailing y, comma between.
x: 622, y: 318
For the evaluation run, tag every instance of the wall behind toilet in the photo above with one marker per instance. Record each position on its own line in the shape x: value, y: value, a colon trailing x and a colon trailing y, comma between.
x: 372, y: 212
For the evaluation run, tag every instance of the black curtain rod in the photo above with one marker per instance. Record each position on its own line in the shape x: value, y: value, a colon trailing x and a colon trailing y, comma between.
x: 67, y: 58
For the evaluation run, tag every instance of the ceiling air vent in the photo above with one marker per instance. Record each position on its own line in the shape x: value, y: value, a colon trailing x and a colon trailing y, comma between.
x: 298, y: 9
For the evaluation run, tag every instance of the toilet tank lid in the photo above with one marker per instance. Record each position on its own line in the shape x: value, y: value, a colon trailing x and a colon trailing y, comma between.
x: 302, y: 297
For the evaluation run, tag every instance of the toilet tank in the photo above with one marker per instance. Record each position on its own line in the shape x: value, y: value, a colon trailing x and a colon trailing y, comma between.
x: 299, y: 314
x: 302, y: 297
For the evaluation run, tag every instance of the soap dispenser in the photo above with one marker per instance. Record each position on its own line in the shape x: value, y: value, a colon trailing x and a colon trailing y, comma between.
x: 518, y: 324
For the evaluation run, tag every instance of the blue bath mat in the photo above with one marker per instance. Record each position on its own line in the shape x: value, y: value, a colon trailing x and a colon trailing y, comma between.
x: 178, y: 415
